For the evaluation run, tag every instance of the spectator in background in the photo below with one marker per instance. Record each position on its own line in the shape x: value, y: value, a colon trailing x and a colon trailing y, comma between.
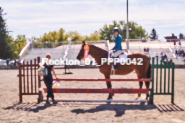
x: 179, y: 51
x: 161, y: 54
x: 179, y: 44
x: 170, y: 61
x: 144, y: 49
x: 182, y: 52
x: 165, y: 56
x: 176, y: 52
x: 157, y: 55
x: 147, y: 49
x: 7, y: 61
x: 174, y: 44
x: 15, y: 62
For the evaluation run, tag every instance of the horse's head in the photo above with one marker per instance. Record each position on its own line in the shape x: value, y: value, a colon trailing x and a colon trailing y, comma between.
x: 81, y: 53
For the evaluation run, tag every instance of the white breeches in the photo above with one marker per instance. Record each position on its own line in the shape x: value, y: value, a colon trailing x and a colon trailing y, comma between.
x: 117, y: 53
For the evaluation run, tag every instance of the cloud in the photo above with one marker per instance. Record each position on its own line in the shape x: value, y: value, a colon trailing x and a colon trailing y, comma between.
x: 75, y: 2
x: 35, y: 17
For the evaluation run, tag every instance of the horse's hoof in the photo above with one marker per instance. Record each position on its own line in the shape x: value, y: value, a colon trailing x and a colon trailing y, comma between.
x: 110, y: 96
x: 109, y: 99
x: 139, y: 95
x: 47, y: 102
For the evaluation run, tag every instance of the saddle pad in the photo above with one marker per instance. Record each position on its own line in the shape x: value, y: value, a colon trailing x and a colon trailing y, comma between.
x: 123, y: 57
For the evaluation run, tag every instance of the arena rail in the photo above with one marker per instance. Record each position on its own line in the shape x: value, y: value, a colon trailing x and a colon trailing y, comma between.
x: 162, y: 83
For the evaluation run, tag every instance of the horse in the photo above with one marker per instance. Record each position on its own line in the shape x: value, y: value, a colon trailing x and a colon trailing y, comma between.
x: 142, y: 71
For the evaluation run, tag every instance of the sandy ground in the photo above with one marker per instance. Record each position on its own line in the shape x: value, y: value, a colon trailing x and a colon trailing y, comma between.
x: 80, y: 112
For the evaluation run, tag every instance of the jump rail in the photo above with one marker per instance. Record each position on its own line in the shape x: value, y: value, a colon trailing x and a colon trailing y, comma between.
x: 116, y: 80
x: 104, y: 90
x: 108, y: 101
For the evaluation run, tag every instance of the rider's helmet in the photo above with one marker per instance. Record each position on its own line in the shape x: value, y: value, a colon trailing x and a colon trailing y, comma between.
x: 116, y: 29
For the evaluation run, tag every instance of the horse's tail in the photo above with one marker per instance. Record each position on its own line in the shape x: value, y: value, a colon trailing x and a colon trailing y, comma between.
x: 148, y: 76
x: 149, y: 71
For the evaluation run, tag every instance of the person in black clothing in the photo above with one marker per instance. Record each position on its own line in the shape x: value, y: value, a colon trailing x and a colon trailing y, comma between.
x: 48, y: 79
x: 15, y: 62
x: 182, y: 52
x: 147, y: 49
x: 144, y: 49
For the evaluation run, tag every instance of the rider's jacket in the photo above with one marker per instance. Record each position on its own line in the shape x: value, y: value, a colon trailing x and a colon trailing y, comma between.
x: 118, y: 40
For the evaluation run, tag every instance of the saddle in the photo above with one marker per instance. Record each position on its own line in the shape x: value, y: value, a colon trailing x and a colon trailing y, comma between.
x: 122, y: 56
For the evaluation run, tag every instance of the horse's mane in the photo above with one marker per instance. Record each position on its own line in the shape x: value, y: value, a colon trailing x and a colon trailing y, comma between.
x: 100, y: 50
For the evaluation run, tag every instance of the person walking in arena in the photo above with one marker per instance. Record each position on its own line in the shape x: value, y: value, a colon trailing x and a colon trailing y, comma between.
x: 117, y: 50
x: 48, y: 79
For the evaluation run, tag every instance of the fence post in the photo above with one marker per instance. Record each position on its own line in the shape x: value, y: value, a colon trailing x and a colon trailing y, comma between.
x: 152, y: 90
x: 20, y: 83
x: 40, y: 98
x: 172, y: 96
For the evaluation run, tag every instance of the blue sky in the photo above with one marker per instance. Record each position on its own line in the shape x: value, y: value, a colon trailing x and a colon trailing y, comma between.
x: 36, y: 17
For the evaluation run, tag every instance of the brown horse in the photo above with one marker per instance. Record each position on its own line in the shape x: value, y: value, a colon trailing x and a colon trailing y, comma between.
x: 142, y: 71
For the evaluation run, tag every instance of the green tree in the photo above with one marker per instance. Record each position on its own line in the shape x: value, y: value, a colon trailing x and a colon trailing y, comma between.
x: 54, y: 36
x: 75, y: 36
x: 107, y: 31
x: 20, y: 42
x: 62, y: 35
x: 17, y: 45
x: 13, y: 48
x: 93, y: 37
x: 51, y: 36
x: 153, y: 34
x: 181, y: 36
x: 33, y: 39
x: 137, y: 31
x: 5, y: 45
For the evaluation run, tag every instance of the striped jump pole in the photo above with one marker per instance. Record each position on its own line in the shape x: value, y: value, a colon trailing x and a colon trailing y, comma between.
x: 116, y: 80
x: 102, y: 91
x: 95, y: 91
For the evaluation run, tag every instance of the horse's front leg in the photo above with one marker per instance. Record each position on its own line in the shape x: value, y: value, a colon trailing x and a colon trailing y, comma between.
x: 109, y: 85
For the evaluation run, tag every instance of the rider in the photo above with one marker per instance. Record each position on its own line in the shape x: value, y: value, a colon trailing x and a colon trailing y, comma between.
x: 117, y: 50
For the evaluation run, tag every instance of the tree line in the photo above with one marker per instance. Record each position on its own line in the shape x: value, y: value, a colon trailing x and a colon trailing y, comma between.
x: 105, y: 33
x: 9, y: 47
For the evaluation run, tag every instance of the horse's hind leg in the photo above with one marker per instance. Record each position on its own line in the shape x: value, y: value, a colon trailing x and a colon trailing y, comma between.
x: 140, y: 86
x: 109, y: 85
x: 147, y: 86
x: 148, y: 82
x: 140, y: 83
